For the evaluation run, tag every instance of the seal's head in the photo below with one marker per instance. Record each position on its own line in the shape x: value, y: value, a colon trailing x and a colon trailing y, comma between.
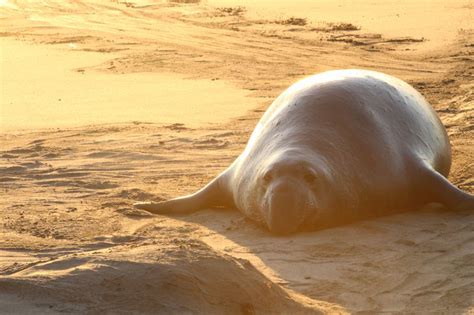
x: 291, y: 194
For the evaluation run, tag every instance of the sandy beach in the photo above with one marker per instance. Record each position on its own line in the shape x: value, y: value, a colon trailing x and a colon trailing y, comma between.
x: 106, y: 103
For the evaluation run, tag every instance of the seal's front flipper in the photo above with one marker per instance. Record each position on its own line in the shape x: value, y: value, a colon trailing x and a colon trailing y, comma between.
x: 449, y: 195
x: 213, y: 195
x: 154, y: 207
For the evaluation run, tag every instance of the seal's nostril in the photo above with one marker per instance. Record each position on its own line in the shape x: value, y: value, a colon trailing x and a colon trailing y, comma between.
x: 309, y: 177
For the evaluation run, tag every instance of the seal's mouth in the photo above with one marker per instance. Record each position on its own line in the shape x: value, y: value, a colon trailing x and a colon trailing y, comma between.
x: 287, y: 227
x: 311, y: 222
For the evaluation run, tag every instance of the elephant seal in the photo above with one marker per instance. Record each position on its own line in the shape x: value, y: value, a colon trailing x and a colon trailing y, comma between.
x: 333, y: 148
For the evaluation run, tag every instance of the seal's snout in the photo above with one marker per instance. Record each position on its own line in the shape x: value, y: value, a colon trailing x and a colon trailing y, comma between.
x: 285, y: 207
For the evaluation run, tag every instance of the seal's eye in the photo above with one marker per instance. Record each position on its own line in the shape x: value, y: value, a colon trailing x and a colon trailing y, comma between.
x: 267, y: 177
x: 309, y: 177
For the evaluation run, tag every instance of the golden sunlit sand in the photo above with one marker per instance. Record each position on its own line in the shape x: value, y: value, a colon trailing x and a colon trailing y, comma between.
x: 60, y: 93
x: 105, y: 103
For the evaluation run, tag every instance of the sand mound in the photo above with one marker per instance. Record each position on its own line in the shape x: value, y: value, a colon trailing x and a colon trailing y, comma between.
x: 180, y: 276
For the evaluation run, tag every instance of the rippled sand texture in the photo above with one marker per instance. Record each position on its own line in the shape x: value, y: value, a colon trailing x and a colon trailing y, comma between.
x: 70, y: 241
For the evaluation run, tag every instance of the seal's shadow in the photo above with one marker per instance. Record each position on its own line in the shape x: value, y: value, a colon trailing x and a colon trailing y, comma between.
x: 405, y: 262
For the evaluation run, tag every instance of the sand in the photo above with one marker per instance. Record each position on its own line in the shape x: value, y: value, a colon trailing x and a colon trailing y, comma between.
x: 78, y: 97
x: 104, y: 103
x: 394, y: 18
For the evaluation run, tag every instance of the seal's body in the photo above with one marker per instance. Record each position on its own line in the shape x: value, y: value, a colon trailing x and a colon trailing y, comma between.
x: 335, y: 147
